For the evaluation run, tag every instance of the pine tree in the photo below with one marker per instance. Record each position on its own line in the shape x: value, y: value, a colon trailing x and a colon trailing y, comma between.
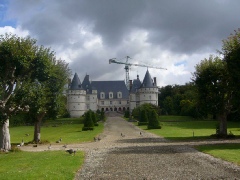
x: 143, y: 120
x: 88, y: 122
x: 153, y: 122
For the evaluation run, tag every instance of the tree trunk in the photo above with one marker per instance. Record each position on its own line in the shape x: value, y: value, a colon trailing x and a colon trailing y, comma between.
x: 5, y: 143
x: 222, y: 118
x: 37, y: 128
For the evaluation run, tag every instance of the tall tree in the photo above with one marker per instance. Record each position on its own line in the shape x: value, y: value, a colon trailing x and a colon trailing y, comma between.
x: 23, y: 66
x: 211, y: 78
x: 231, y: 53
x: 44, y: 97
x: 17, y: 56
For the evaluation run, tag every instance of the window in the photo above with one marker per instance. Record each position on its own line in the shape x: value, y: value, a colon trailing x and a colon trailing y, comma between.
x: 102, y: 95
x: 110, y: 102
x: 102, y: 102
x: 119, y: 94
x: 110, y: 95
x: 120, y: 102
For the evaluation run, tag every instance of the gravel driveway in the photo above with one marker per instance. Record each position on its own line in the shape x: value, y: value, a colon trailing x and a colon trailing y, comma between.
x: 124, y: 153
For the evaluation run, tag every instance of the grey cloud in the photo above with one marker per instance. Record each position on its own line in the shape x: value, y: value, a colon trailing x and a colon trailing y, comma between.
x: 180, y: 27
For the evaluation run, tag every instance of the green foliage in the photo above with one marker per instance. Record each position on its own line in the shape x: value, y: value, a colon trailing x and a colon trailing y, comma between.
x: 153, y: 122
x: 143, y: 119
x: 88, y: 121
x: 127, y: 114
x: 147, y: 107
x: 212, y: 80
x: 179, y: 100
x: 100, y: 115
x: 231, y: 53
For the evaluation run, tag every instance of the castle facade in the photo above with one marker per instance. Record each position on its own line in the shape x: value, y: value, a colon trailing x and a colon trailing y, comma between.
x: 109, y: 95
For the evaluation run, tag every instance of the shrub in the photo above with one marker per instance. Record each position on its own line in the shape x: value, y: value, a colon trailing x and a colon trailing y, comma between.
x: 153, y: 122
x: 127, y: 114
x: 88, y: 121
x: 143, y: 119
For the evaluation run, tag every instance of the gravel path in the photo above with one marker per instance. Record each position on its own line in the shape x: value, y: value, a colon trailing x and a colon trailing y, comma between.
x: 123, y: 153
x: 147, y: 156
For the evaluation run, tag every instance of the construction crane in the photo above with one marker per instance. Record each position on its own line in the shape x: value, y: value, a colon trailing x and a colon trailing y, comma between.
x: 127, y: 64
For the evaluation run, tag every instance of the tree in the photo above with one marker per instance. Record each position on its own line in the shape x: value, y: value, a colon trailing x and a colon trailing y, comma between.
x: 153, y: 122
x: 17, y: 67
x: 211, y: 79
x: 231, y: 53
x: 143, y: 119
x: 45, y: 97
x: 88, y: 122
x: 26, y: 71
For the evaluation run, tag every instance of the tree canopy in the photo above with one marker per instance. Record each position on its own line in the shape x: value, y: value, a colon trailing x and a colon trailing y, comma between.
x: 30, y: 78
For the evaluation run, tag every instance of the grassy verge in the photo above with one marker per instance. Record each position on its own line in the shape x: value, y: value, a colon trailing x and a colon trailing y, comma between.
x: 227, y: 152
x: 69, y: 131
x: 40, y: 165
x: 47, y: 164
x: 183, y: 128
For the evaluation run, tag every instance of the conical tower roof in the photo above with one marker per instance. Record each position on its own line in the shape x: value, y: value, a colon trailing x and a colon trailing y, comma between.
x: 147, y: 81
x: 76, y: 84
x: 136, y: 84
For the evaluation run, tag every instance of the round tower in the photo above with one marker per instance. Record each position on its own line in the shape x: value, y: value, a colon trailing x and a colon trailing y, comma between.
x: 148, y: 92
x: 76, y: 98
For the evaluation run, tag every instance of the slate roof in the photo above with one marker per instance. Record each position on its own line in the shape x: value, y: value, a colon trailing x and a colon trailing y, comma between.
x: 76, y: 83
x: 147, y: 81
x: 87, y: 85
x: 135, y: 85
x: 110, y: 86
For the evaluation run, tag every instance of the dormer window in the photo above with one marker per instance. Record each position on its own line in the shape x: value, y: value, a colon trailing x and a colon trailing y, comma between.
x: 119, y: 94
x: 102, y: 95
x: 110, y: 95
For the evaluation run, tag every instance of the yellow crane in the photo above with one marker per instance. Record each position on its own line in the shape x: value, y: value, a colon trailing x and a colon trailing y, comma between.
x: 127, y: 64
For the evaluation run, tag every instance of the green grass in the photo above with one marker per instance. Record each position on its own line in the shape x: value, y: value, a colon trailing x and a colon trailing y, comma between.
x: 69, y: 130
x: 227, y: 152
x: 40, y: 165
x: 175, y: 118
x: 182, y: 128
x: 47, y: 164
x: 187, y: 129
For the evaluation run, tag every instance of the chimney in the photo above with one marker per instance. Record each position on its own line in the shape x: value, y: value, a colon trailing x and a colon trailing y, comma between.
x: 155, y: 81
x: 130, y: 85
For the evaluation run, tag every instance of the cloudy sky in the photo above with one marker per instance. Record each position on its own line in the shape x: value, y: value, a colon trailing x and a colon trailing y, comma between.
x: 172, y: 34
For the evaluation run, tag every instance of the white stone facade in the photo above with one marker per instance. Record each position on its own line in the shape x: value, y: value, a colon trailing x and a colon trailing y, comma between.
x: 109, y: 95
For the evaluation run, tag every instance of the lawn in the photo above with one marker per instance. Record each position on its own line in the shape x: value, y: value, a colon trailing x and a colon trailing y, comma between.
x: 47, y: 164
x: 184, y: 128
x: 227, y: 152
x: 40, y: 165
x: 70, y: 130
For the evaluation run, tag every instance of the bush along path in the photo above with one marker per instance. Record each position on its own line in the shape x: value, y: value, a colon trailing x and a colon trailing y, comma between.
x: 125, y: 152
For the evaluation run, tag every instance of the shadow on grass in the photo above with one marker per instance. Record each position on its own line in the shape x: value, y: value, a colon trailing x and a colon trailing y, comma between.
x: 219, y: 146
